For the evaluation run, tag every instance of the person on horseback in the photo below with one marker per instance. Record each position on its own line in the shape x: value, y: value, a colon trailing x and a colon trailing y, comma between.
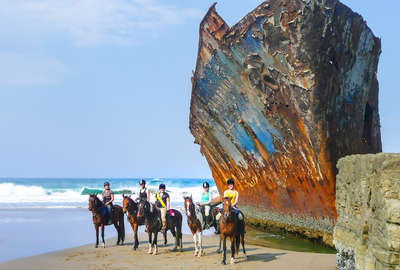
x: 144, y: 193
x: 206, y: 198
x: 163, y: 203
x: 108, y: 198
x: 233, y: 195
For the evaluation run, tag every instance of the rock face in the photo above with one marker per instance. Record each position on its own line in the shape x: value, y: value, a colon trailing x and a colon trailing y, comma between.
x: 278, y: 98
x: 367, y: 231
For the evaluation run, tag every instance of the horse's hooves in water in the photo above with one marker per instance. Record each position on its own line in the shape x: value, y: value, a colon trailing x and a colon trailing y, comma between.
x: 223, y: 263
x: 232, y: 261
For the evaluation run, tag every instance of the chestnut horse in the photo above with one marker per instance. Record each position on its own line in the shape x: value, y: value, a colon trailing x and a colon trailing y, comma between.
x: 131, y: 207
x: 195, y: 225
x: 153, y: 225
x: 234, y: 228
x: 99, y: 220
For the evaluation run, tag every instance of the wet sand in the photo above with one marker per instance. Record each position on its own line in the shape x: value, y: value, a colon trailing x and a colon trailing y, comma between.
x: 123, y: 257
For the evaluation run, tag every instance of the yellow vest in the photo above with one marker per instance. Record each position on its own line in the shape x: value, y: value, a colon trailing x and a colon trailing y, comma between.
x: 231, y: 194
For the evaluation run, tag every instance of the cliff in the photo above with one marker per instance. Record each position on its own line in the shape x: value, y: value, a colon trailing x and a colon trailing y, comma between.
x: 367, y: 231
x: 278, y: 98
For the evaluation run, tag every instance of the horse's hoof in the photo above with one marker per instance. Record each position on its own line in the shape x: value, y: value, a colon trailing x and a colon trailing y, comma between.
x: 232, y: 261
x: 96, y: 246
x: 195, y: 254
x: 219, y: 251
x: 223, y: 263
x: 104, y: 245
x: 245, y: 257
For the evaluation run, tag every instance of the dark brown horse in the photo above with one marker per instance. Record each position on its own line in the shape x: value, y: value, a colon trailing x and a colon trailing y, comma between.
x: 100, y: 220
x: 234, y: 228
x: 131, y: 207
x: 195, y: 225
x: 153, y: 224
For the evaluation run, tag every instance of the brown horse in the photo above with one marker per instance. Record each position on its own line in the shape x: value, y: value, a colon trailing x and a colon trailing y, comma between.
x: 100, y: 220
x: 234, y: 228
x: 153, y: 225
x: 195, y: 225
x: 131, y: 207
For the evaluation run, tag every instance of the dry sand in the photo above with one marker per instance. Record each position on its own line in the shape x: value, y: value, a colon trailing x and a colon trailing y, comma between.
x: 123, y: 257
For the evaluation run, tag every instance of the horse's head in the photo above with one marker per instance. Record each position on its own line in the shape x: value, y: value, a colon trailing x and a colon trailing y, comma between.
x: 227, y: 206
x: 189, y: 205
x: 93, y: 202
x: 143, y: 208
x: 126, y: 202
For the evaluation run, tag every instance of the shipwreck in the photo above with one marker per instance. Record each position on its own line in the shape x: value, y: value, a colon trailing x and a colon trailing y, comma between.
x: 278, y: 98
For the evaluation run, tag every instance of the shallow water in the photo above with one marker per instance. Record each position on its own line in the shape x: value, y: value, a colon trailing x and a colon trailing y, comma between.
x: 275, y: 238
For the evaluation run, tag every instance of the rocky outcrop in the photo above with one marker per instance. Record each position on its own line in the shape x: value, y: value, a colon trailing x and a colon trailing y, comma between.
x: 278, y: 98
x: 367, y: 231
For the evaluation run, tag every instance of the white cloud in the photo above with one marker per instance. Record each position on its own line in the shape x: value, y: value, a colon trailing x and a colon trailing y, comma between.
x: 25, y: 69
x: 89, y: 22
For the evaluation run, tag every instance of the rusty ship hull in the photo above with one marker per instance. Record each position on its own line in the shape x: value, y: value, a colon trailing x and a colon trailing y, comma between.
x: 277, y: 99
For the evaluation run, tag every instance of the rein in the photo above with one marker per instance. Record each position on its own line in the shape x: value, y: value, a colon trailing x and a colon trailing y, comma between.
x: 191, y: 209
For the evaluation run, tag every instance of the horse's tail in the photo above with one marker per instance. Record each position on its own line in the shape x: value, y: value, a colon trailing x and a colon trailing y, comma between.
x: 122, y: 226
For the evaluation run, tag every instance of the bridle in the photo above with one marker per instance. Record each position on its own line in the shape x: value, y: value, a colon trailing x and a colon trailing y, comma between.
x: 227, y: 216
x: 94, y: 205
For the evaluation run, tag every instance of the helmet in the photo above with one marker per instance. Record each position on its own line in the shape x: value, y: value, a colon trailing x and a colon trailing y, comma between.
x: 161, y: 186
x: 206, y: 184
x: 106, y: 183
x: 230, y: 182
x: 142, y: 182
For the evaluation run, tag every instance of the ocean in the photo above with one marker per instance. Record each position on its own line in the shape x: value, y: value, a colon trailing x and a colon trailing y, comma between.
x: 39, y: 215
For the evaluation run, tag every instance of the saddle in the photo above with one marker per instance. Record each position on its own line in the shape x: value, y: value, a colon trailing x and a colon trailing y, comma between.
x: 107, y: 214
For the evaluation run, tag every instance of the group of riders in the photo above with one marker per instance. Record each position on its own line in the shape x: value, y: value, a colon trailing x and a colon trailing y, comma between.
x: 162, y: 201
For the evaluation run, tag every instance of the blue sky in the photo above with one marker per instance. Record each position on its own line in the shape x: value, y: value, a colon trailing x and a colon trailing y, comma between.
x: 101, y: 88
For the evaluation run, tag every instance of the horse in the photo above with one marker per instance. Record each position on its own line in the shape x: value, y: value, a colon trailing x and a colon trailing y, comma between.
x: 99, y: 220
x: 153, y: 225
x: 195, y: 225
x: 234, y: 228
x: 131, y: 207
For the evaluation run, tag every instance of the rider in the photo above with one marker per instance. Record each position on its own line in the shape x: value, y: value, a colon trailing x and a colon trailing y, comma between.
x: 144, y: 193
x: 163, y: 203
x: 232, y: 194
x: 108, y: 198
x: 206, y: 198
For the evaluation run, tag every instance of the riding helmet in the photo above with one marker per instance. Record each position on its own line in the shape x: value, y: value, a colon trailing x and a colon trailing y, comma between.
x: 142, y: 182
x: 106, y: 183
x: 230, y: 182
x: 162, y: 186
x: 206, y: 184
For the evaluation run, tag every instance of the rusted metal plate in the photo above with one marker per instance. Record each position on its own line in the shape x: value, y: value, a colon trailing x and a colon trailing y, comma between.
x: 278, y: 98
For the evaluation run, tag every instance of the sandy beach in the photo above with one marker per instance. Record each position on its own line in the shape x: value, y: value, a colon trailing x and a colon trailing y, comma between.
x: 123, y: 257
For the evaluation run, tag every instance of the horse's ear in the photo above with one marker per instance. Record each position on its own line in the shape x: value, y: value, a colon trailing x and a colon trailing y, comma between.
x: 129, y: 195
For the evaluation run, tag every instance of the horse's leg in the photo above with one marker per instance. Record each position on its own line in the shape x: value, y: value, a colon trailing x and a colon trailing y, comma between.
x: 173, y: 232
x: 223, y: 239
x: 195, y: 243
x: 135, y: 229
x: 118, y: 232
x: 233, y: 238
x: 219, y: 246
x: 155, y: 243
x: 165, y: 238
x: 237, y: 245
x: 102, y: 235
x: 150, y: 243
x: 244, y: 250
x: 201, y: 243
x: 96, y: 226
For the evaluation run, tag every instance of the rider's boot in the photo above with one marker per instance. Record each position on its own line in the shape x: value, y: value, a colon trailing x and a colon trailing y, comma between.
x: 217, y: 231
x: 207, y: 222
